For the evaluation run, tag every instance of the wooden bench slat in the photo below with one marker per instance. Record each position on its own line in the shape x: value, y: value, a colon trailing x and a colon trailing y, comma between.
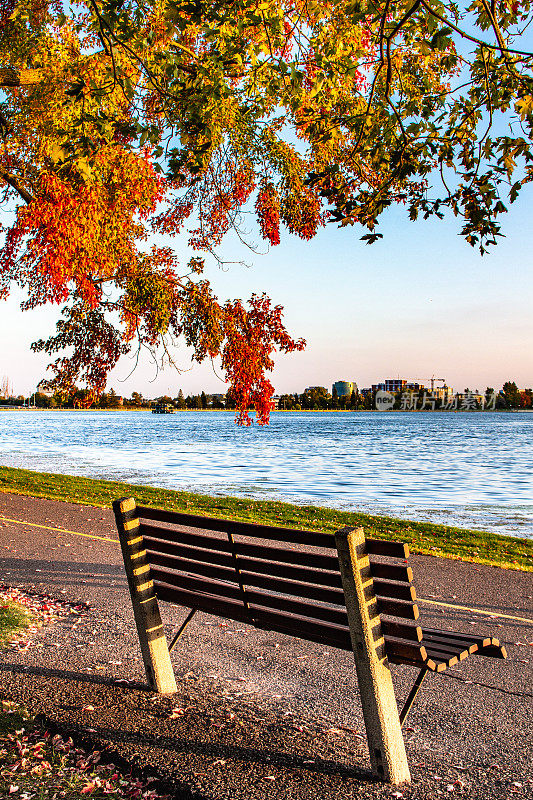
x: 294, y: 625
x: 195, y: 584
x: 286, y: 556
x: 182, y: 580
x: 391, y: 572
x: 383, y: 547
x: 193, y: 553
x: 178, y: 536
x: 211, y: 604
x: 449, y: 641
x: 186, y: 569
x: 185, y: 565
x: 271, y: 555
x: 289, y: 535
x: 481, y: 641
x: 308, y: 610
x: 398, y: 608
x: 399, y: 591
x: 443, y: 660
x: 259, y: 552
x: 398, y: 649
x: 291, y: 572
x: 232, y: 591
x: 307, y: 590
x: 448, y: 649
x: 401, y: 630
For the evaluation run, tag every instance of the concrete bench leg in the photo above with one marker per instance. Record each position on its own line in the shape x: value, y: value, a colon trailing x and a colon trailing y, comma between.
x: 152, y: 640
x: 382, y: 721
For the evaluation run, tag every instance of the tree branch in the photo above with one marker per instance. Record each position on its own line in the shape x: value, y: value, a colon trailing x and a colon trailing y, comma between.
x: 13, y: 181
x: 11, y: 77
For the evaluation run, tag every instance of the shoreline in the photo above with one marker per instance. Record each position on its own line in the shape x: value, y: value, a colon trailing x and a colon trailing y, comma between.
x: 431, y: 539
x: 284, y: 410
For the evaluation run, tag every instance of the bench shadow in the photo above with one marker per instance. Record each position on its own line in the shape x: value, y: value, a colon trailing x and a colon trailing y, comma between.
x: 55, y: 573
x: 70, y: 675
x: 160, y: 743
x: 267, y: 756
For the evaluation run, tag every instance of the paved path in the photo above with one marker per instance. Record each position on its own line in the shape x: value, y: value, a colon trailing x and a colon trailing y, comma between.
x: 259, y: 714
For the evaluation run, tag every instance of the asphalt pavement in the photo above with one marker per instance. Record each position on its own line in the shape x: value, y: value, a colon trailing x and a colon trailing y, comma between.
x: 259, y: 714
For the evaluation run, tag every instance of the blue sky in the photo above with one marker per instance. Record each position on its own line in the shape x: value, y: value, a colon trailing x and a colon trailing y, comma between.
x: 419, y: 302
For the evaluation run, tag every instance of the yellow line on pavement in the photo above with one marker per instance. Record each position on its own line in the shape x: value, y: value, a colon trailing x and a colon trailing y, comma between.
x: 419, y: 600
x: 59, y: 530
x: 475, y: 610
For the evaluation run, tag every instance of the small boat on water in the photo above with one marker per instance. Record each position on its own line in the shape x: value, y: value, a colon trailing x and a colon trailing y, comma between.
x: 163, y: 408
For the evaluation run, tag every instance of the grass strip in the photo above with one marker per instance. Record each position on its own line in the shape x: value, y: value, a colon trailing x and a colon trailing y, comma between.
x: 423, y: 537
x: 14, y: 619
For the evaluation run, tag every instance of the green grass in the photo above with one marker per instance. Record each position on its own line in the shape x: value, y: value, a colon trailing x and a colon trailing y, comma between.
x: 13, y: 619
x: 423, y: 537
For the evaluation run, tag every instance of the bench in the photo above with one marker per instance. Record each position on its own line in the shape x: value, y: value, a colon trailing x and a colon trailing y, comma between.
x: 342, y: 591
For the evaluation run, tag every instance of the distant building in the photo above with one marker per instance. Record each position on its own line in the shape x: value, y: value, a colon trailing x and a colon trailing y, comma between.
x: 395, y: 385
x: 344, y: 388
x: 365, y: 392
x: 468, y: 396
x: 443, y: 392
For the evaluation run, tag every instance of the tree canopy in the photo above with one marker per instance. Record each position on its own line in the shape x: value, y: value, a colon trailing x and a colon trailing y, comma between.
x: 122, y: 119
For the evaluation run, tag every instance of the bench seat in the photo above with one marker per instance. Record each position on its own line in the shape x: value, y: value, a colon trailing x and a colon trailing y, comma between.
x: 446, y: 648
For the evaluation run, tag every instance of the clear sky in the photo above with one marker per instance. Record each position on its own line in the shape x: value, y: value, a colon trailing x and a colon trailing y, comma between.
x: 419, y: 302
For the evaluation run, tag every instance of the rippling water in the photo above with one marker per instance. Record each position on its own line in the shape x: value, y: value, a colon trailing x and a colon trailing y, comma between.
x: 471, y: 470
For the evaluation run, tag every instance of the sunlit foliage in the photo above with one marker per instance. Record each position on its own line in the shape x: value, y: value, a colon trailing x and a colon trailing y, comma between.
x: 126, y: 118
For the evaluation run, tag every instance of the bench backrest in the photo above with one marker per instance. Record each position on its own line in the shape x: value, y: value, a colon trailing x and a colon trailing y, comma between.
x: 278, y: 579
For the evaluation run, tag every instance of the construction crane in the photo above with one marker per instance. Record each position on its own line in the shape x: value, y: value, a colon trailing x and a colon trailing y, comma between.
x: 432, y: 381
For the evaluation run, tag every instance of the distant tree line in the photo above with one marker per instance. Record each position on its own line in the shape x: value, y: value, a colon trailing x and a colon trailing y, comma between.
x: 76, y: 399
x: 316, y: 398
x: 514, y: 397
x: 509, y: 397
x: 196, y: 401
x: 79, y: 399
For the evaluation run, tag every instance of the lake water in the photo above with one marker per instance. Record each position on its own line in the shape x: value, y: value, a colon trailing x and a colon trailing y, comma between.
x: 471, y: 470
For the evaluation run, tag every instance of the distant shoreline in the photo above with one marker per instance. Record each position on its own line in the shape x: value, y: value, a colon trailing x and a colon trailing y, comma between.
x: 286, y: 410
